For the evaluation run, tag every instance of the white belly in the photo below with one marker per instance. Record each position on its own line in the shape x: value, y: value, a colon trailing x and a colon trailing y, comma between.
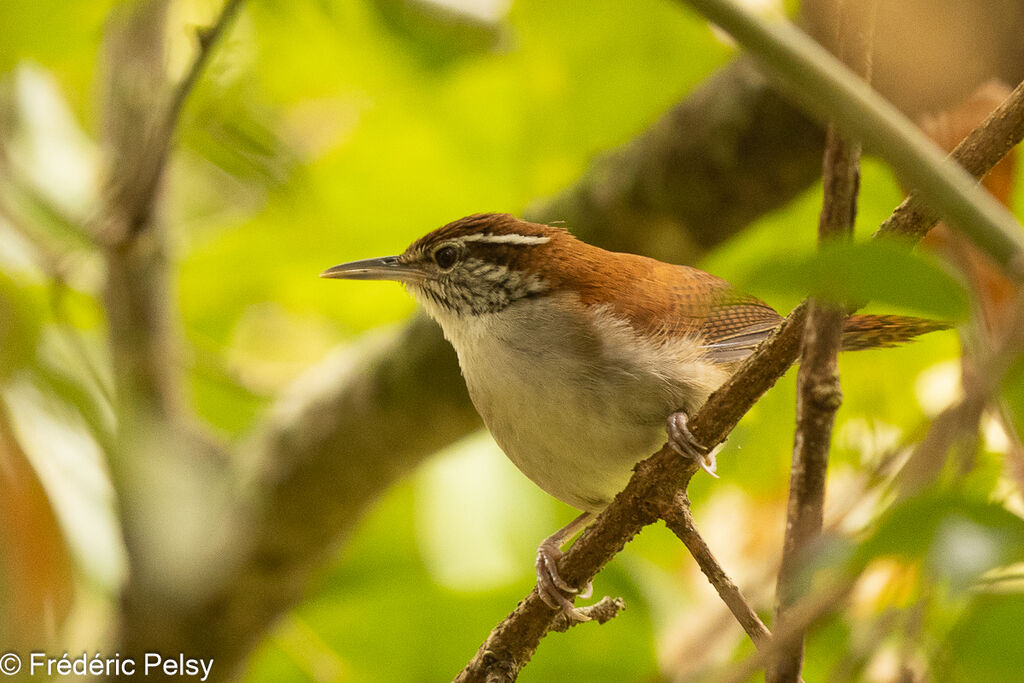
x: 575, y: 403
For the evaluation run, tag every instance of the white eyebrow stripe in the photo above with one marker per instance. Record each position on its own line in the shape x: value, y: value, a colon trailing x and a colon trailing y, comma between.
x: 507, y: 239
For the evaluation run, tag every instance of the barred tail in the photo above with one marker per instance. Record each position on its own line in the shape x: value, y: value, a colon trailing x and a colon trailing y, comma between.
x: 873, y: 331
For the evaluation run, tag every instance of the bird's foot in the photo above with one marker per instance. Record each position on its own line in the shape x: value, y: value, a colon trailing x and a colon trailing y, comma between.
x: 551, y: 587
x: 683, y: 443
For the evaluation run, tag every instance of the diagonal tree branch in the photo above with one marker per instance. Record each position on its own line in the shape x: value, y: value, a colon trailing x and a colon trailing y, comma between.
x: 652, y: 490
x: 679, y: 519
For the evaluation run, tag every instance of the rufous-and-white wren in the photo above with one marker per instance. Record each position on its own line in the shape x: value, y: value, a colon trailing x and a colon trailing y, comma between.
x: 577, y: 358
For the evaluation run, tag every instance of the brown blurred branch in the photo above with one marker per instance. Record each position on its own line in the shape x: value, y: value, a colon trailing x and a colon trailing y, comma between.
x: 652, y: 491
x: 141, y: 112
x: 157, y: 449
x: 135, y: 290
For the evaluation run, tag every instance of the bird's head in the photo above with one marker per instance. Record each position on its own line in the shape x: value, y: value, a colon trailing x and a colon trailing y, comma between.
x: 479, y: 264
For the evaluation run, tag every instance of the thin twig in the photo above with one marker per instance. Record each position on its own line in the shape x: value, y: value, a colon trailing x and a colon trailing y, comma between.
x: 656, y: 480
x: 208, y: 37
x: 679, y: 519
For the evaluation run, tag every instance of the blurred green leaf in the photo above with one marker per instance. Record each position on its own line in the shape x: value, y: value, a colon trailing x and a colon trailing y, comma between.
x: 826, y: 645
x: 959, y: 537
x: 874, y: 271
x: 20, y: 321
x: 438, y: 36
x: 62, y: 34
x: 985, y: 643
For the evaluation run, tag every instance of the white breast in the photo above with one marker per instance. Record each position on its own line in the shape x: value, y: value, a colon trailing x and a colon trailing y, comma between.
x: 575, y: 400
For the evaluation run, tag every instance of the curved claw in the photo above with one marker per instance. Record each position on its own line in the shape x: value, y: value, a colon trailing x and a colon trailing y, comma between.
x: 547, y: 567
x: 551, y: 587
x: 554, y: 599
x: 682, y: 442
x: 709, y: 465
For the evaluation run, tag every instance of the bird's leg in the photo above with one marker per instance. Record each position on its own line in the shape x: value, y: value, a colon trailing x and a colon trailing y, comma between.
x: 683, y: 443
x: 551, y: 587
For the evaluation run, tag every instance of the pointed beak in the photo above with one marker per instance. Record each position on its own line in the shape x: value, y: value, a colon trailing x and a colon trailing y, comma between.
x: 384, y: 268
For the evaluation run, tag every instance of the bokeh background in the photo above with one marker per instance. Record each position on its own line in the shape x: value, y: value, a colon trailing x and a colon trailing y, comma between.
x: 331, y: 130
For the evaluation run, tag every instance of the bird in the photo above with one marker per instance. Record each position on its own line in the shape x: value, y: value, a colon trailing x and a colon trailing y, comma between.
x: 582, y: 361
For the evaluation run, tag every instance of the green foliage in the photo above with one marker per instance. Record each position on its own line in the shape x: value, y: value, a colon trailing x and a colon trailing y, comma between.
x: 63, y: 36
x: 983, y: 646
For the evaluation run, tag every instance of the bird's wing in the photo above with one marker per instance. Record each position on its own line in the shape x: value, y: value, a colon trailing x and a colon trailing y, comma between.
x: 671, y: 301
x: 735, y: 325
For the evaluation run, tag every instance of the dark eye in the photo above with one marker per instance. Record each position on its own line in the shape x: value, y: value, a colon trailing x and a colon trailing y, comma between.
x: 445, y: 257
